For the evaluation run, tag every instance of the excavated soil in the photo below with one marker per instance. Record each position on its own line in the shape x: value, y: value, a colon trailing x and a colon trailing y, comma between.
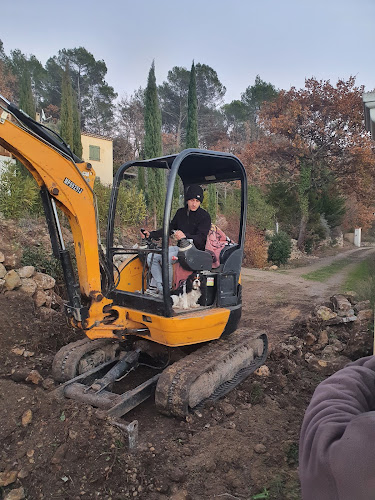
x: 243, y: 447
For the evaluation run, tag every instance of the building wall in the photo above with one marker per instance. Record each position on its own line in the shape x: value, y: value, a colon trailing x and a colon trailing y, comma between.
x: 99, y: 152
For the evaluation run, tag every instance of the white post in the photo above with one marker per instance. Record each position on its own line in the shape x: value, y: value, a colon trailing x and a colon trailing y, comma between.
x: 357, y: 237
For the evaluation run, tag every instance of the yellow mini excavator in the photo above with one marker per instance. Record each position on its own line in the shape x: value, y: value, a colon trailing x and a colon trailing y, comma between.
x: 194, y: 355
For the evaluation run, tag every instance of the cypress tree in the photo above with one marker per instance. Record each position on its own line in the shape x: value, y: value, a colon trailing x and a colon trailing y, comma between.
x: 192, y: 120
x: 155, y: 192
x: 77, y: 143
x: 66, y: 113
x: 26, y: 103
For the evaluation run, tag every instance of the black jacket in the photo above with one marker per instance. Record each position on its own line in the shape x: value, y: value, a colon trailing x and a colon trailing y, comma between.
x: 195, y: 225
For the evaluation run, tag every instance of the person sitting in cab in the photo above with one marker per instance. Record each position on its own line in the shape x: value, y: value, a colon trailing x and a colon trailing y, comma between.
x: 191, y: 222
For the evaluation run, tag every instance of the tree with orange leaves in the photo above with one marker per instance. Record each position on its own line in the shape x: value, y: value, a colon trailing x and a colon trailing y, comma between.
x: 315, y: 137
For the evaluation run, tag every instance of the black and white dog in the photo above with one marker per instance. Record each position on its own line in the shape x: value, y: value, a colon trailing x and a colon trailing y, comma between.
x: 186, y: 296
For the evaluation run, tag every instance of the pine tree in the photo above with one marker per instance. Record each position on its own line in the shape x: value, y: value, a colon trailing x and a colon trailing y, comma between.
x: 155, y: 192
x: 66, y: 113
x: 192, y: 120
x: 26, y: 103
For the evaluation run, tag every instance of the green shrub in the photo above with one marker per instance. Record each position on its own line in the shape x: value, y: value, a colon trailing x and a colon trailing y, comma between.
x: 279, y: 249
x: 19, y: 194
x: 43, y: 261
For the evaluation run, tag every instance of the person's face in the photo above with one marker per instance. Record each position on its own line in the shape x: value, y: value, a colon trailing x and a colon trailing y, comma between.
x: 193, y: 204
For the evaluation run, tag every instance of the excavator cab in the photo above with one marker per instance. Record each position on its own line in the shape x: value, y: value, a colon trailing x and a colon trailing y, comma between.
x: 220, y: 273
x: 123, y: 327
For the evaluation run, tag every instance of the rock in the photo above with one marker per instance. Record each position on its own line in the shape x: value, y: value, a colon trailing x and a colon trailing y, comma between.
x: 2, y: 284
x: 46, y: 313
x: 18, y: 350
x: 8, y: 477
x: 263, y: 371
x: 54, y: 300
x: 19, y: 375
x: 310, y: 339
x: 341, y: 305
x: 28, y: 286
x: 329, y: 351
x: 28, y: 354
x: 26, y: 418
x: 360, y: 306
x: 3, y: 271
x: 176, y: 475
x: 325, y: 313
x: 34, y: 377
x: 227, y: 408
x: 2, y: 257
x: 365, y: 315
x: 48, y: 384
x: 260, y: 448
x: 39, y: 297
x: 17, y: 494
x: 274, y: 268
x: 323, y: 337
x: 12, y: 280
x: 59, y: 454
x: 26, y: 271
x: 179, y: 495
x: 44, y: 281
x: 23, y: 473
x: 73, y: 434
x: 11, y: 261
x: 337, y: 345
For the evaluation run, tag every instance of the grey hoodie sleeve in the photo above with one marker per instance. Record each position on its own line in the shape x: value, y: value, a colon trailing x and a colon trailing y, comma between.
x: 337, y: 441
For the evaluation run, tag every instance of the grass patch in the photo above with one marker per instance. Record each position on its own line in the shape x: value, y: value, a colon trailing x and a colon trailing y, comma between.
x: 324, y: 273
x: 361, y: 280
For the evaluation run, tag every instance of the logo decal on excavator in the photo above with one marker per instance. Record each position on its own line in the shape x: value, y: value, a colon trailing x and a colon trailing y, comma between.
x: 72, y: 185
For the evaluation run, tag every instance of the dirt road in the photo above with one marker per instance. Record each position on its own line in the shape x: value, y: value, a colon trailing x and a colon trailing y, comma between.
x: 243, y: 447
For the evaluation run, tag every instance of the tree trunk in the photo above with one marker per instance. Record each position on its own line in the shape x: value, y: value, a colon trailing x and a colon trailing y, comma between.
x: 302, y: 233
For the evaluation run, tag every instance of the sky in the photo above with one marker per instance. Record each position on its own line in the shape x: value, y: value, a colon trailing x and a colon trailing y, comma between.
x: 283, y: 41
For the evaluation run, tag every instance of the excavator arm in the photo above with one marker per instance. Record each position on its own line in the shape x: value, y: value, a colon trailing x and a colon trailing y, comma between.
x: 67, y: 184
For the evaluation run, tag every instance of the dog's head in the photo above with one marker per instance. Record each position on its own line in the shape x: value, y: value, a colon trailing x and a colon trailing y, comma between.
x: 195, y: 280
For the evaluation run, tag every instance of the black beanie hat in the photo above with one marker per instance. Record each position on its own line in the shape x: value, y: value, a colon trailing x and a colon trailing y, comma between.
x: 194, y: 191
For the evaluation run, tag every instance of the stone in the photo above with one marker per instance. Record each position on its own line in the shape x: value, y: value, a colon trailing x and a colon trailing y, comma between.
x: 34, y: 377
x: 46, y: 313
x: 16, y: 494
x: 3, y: 271
x: 310, y: 339
x: 26, y: 271
x: 44, y: 281
x: 176, y: 475
x: 263, y: 371
x: 11, y: 261
x: 59, y: 454
x: 18, y: 350
x: 28, y: 286
x: 260, y: 448
x: 39, y: 298
x: 323, y: 337
x: 12, y: 280
x: 7, y: 478
x: 325, y: 313
x: 27, y: 418
x: 365, y: 315
x: 48, y: 383
x: 54, y: 300
x: 274, y: 268
x: 341, y: 305
x: 23, y: 473
x: 2, y: 284
x: 2, y: 257
x: 227, y: 408
x: 360, y: 306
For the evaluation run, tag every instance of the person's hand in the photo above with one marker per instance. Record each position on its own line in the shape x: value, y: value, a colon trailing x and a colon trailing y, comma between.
x: 145, y: 233
x: 179, y: 235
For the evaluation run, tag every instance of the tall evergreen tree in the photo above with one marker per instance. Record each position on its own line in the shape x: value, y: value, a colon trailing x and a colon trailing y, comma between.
x: 66, y: 114
x: 77, y: 143
x: 192, y: 121
x: 27, y: 103
x: 155, y: 192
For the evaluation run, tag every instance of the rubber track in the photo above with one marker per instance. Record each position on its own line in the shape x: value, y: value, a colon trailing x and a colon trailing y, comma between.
x: 172, y: 391
x: 65, y: 363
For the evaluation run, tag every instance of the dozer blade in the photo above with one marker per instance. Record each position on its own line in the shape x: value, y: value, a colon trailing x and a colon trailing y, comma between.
x: 210, y: 372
